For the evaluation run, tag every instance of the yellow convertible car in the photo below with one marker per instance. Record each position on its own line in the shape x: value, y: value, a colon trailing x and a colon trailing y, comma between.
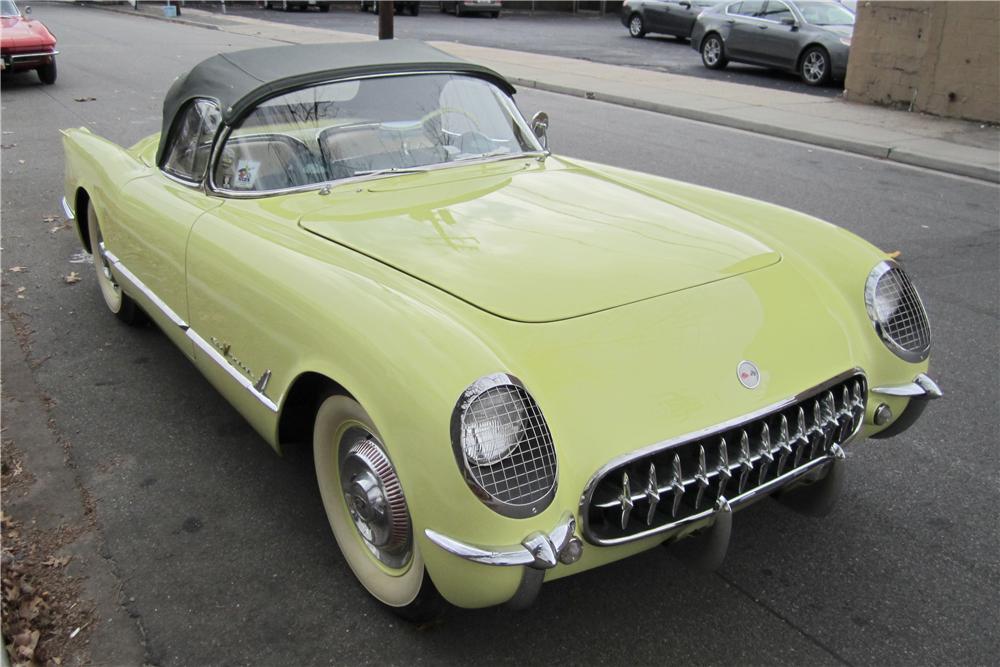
x: 512, y: 366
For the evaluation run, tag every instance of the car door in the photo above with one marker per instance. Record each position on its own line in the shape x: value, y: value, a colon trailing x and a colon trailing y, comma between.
x: 680, y: 17
x: 655, y: 13
x: 777, y: 43
x: 158, y: 212
x: 744, y: 29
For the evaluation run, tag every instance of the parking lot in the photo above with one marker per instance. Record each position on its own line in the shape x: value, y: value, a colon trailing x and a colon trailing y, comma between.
x: 589, y: 36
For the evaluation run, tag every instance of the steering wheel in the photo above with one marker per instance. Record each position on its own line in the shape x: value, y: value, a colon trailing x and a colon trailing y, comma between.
x: 437, y: 113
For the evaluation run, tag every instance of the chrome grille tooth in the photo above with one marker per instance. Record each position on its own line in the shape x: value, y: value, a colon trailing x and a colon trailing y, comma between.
x: 701, y: 477
x: 677, y: 483
x: 816, y: 430
x: 766, y: 457
x: 652, y: 494
x: 857, y: 401
x: 625, y: 499
x: 746, y: 466
x: 829, y: 410
x: 783, y: 444
x: 846, y: 400
x: 724, y: 472
x: 801, y: 436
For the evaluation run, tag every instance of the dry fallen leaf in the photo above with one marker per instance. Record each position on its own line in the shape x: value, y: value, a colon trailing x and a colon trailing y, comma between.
x: 73, y: 277
x: 20, y: 161
x: 49, y: 219
x: 895, y: 253
x: 84, y: 99
x: 20, y: 290
x: 17, y: 269
x: 52, y: 561
x: 6, y: 146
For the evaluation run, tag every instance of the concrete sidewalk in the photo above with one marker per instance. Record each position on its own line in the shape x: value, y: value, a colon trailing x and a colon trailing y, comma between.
x: 953, y: 146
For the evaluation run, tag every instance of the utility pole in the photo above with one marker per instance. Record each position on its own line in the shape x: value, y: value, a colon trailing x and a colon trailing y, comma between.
x: 385, y: 10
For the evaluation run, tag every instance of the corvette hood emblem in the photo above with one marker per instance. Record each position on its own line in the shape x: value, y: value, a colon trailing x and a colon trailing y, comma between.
x: 748, y: 374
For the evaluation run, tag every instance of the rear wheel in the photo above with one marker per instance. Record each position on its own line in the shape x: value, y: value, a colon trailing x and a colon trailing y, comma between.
x: 47, y: 73
x: 814, y: 66
x: 367, y: 510
x: 119, y: 303
x: 713, y: 52
x: 636, y: 26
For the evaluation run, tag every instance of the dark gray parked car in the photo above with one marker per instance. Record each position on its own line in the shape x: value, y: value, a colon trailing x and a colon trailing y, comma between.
x: 809, y: 37
x: 670, y: 17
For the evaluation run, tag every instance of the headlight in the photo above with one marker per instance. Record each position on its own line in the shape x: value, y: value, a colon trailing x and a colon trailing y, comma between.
x: 897, y: 312
x: 503, y: 446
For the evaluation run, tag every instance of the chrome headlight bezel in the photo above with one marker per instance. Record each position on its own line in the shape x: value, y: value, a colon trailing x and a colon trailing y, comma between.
x: 541, y: 449
x: 871, y: 290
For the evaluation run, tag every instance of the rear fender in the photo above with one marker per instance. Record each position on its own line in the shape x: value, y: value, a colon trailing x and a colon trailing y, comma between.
x: 96, y: 169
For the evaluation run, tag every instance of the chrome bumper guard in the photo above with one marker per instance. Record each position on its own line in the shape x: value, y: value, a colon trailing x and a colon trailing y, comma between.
x: 14, y: 57
x: 67, y: 211
x: 922, y: 388
x: 536, y: 553
x: 920, y: 392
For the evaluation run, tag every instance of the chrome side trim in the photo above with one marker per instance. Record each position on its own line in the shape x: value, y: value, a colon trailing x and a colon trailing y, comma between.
x: 922, y: 388
x: 538, y: 550
x: 141, y: 286
x: 67, y: 211
x: 192, y: 335
x: 243, y: 381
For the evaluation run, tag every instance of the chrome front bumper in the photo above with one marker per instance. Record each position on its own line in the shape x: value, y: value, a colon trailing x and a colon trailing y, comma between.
x: 536, y: 553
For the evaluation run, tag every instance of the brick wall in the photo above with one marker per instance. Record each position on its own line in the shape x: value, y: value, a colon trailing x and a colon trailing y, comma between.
x: 938, y: 57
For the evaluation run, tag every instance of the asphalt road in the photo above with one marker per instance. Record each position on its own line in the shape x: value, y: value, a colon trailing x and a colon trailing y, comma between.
x: 223, y: 550
x: 588, y: 36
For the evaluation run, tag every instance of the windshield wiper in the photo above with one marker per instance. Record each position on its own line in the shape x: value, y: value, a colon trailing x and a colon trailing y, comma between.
x: 389, y: 170
x: 501, y: 154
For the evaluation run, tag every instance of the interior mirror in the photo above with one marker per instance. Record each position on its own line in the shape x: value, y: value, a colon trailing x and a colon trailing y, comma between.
x: 540, y: 127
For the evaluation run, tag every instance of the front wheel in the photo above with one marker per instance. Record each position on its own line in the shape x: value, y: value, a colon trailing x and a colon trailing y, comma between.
x: 636, y: 27
x: 814, y: 67
x: 119, y: 303
x: 364, y: 502
x: 47, y: 73
x: 713, y: 52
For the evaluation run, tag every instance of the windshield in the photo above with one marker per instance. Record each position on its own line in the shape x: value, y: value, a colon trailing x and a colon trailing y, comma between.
x: 8, y: 8
x: 825, y: 13
x: 365, y: 126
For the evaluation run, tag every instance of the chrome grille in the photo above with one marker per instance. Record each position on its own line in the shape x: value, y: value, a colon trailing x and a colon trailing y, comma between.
x: 666, y: 488
x: 904, y: 321
x: 527, y: 474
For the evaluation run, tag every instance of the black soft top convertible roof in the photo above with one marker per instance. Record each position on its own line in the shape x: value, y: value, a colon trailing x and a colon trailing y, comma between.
x: 240, y: 80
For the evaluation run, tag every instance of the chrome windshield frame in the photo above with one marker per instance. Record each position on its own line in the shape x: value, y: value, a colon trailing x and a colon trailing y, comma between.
x: 506, y: 100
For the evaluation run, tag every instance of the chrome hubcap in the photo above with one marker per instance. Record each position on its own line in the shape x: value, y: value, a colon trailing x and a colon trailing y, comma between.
x: 712, y: 51
x: 635, y: 25
x: 375, y: 499
x: 814, y: 66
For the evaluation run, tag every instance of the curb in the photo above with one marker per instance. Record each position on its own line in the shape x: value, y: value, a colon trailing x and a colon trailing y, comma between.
x: 880, y: 151
x: 866, y: 149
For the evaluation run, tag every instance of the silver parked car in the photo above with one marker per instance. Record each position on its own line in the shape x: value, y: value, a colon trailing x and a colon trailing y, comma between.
x: 670, y: 17
x: 809, y: 37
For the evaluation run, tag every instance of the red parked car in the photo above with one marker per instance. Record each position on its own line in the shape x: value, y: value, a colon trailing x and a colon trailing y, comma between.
x: 26, y: 44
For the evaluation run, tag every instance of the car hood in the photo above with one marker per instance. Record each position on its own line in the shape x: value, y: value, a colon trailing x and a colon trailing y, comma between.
x: 535, y: 242
x: 15, y: 32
